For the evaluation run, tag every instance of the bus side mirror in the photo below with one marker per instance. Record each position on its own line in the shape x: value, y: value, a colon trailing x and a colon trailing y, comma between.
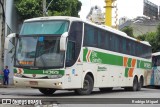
x: 10, y: 42
x: 63, y: 41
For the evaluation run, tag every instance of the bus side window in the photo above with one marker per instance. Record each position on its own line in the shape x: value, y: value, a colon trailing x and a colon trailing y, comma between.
x: 70, y: 56
x: 74, y: 43
x: 158, y: 61
x: 99, y: 44
x: 124, y: 45
x: 155, y: 61
x: 112, y: 42
x: 89, y: 36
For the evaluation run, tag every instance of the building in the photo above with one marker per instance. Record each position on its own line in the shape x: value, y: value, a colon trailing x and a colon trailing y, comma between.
x: 11, y: 26
x: 141, y: 25
x: 122, y: 20
x: 2, y: 27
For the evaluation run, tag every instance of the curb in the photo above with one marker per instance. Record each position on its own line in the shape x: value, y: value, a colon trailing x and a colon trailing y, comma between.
x: 7, y: 86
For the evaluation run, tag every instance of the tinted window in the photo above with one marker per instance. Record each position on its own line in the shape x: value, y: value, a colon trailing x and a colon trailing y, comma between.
x: 74, y: 43
x: 124, y: 45
x: 155, y: 61
x: 89, y: 36
x: 99, y: 38
x: 44, y: 27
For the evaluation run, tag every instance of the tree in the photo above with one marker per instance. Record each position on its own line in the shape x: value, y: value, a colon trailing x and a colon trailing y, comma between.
x: 128, y: 30
x: 29, y: 8
x: 33, y: 8
x: 158, y: 38
x: 141, y: 37
x: 153, y: 38
x: 64, y: 8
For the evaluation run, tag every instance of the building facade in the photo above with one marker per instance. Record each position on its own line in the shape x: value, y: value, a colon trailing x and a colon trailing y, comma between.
x: 11, y: 26
x: 141, y: 25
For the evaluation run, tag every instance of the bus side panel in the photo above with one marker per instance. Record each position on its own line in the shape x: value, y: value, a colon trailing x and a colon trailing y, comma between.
x: 73, y: 77
x: 156, y: 74
x: 89, y: 67
x: 74, y: 74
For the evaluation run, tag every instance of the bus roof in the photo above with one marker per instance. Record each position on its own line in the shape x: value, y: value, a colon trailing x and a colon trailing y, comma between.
x: 156, y: 54
x: 120, y: 33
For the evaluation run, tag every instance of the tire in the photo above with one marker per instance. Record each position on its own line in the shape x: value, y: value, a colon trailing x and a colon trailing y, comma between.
x: 135, y: 84
x: 140, y: 84
x: 134, y: 87
x: 105, y: 89
x: 47, y: 91
x: 87, y: 86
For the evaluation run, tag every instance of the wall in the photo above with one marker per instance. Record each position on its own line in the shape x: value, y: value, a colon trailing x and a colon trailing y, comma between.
x: 140, y: 28
x: 11, y: 27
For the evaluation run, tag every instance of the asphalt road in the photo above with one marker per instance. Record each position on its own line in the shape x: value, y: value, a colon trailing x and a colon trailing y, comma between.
x: 116, y: 98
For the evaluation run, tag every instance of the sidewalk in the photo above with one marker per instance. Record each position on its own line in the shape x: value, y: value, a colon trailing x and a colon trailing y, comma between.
x: 7, y: 86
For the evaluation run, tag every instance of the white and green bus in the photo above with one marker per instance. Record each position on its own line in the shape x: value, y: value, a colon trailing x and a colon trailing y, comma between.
x: 155, y: 79
x: 56, y: 53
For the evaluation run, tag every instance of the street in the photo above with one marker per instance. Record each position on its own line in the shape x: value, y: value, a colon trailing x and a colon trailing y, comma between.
x: 116, y: 93
x: 68, y: 98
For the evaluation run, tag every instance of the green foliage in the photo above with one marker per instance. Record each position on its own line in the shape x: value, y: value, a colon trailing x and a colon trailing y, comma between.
x: 141, y: 37
x: 33, y: 8
x: 64, y: 8
x: 29, y: 8
x: 128, y: 30
x: 158, y: 38
x: 153, y: 38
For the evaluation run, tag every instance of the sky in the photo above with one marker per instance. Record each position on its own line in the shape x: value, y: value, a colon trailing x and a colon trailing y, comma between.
x: 128, y: 8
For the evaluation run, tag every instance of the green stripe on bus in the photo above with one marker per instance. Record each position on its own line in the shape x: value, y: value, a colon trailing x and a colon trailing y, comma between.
x: 42, y: 72
x: 14, y: 70
x: 145, y: 65
x: 105, y: 58
x: 85, y: 54
x: 99, y: 57
x: 129, y: 62
x: 138, y: 63
x: 126, y: 72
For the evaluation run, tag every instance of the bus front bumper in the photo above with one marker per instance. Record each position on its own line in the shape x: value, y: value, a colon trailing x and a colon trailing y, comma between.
x: 38, y: 83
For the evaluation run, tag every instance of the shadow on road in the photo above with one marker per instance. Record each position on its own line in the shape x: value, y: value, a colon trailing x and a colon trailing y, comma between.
x: 64, y: 93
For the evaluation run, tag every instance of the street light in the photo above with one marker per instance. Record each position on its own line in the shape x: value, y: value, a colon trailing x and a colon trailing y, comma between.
x: 44, y: 7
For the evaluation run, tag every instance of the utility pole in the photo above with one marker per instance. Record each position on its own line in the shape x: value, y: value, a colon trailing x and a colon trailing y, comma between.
x: 44, y: 7
x: 108, y: 12
x: 2, y: 32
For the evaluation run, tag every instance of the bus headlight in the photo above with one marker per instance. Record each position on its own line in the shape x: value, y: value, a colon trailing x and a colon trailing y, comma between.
x: 54, y: 76
x: 17, y: 75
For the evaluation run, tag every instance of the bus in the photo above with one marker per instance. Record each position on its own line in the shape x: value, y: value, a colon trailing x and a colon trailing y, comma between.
x: 155, y: 78
x: 68, y: 53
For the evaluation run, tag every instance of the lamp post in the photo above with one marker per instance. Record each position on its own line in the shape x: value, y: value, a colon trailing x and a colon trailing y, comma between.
x: 46, y: 8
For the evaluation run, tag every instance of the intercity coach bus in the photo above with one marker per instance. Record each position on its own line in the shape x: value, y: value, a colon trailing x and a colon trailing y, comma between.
x: 59, y: 52
x: 155, y: 78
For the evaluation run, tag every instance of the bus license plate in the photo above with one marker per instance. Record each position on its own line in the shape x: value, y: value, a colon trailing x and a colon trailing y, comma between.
x: 33, y: 82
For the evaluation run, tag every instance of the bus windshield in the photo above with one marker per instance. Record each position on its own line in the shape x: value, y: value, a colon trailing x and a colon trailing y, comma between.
x: 156, y: 61
x: 39, y: 52
x: 44, y: 27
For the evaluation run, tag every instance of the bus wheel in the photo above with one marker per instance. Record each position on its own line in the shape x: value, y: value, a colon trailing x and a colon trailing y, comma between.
x: 87, y: 86
x: 135, y: 84
x: 105, y: 89
x: 47, y: 91
x: 134, y: 87
x: 140, y: 84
